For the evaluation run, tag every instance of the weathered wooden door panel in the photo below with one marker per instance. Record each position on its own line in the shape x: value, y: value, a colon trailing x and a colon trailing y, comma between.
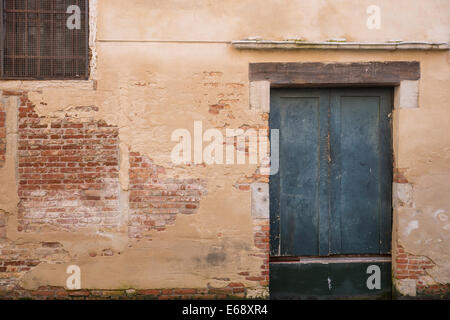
x: 332, y: 192
x: 360, y: 193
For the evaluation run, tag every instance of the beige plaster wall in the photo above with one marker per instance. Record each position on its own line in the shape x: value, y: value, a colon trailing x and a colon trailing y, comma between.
x: 149, y: 89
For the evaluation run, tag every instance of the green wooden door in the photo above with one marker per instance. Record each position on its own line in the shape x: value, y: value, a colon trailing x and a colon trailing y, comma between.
x: 332, y: 194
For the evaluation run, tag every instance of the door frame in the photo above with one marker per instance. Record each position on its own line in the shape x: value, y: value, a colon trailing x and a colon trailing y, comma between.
x: 403, y: 76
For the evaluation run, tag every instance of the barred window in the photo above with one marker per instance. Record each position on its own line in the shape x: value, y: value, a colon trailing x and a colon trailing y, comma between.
x: 44, y: 39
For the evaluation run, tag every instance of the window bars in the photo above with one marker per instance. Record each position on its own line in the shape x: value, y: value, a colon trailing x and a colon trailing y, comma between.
x: 44, y: 39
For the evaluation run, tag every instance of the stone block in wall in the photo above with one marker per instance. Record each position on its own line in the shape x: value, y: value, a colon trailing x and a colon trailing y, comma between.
x: 402, y: 195
x: 260, y: 95
x: 260, y: 200
x: 406, y: 95
x: 406, y: 287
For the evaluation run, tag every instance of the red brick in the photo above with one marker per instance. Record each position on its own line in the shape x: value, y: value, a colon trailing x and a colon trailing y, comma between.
x: 152, y: 292
x: 66, y: 158
x: 12, y: 93
x: 184, y: 291
x: 235, y: 284
x: 255, y: 278
x: 79, y: 293
x: 43, y: 293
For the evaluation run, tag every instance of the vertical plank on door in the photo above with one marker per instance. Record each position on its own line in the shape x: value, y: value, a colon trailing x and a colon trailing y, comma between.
x: 360, y: 171
x: 298, y: 190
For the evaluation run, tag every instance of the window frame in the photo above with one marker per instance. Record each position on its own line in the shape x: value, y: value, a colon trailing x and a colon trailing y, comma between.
x: 84, y: 77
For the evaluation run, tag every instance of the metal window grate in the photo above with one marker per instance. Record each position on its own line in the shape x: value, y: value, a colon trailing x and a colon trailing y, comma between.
x: 37, y: 44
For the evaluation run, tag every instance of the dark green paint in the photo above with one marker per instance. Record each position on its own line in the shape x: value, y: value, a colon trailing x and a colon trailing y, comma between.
x: 332, y: 194
x: 328, y: 281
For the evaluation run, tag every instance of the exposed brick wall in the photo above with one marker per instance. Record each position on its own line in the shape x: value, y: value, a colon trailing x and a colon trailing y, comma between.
x: 409, y: 266
x: 221, y: 97
x: 261, y: 227
x: 257, y: 133
x: 16, y: 260
x: 413, y: 267
x: 68, y: 172
x: 2, y: 134
x: 155, y: 201
x: 233, y: 290
x: 223, y: 104
x: 441, y: 291
x: 261, y: 237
